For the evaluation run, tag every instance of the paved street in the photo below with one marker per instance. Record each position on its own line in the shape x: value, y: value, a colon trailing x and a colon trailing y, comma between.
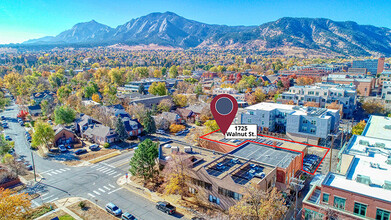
x: 95, y: 182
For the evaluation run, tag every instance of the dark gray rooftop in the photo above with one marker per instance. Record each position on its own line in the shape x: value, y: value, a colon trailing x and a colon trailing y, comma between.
x: 269, y: 155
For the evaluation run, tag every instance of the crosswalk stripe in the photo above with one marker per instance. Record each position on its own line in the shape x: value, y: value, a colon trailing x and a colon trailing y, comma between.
x: 68, y: 168
x: 101, y: 190
x: 107, y: 171
x: 106, y: 187
x: 63, y: 170
x: 58, y: 171
x: 48, y: 197
x: 91, y: 195
x: 111, y: 173
x: 111, y: 186
x: 114, y: 190
x: 54, y: 172
x: 96, y: 192
x: 117, y: 175
x: 49, y: 174
x: 108, y: 165
x: 101, y: 168
x: 52, y: 200
x: 94, y: 165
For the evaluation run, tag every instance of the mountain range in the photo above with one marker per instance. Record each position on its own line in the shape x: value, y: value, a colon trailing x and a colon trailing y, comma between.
x: 287, y: 35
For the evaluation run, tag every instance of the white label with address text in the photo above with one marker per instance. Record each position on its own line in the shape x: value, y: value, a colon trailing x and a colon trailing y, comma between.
x: 241, y: 132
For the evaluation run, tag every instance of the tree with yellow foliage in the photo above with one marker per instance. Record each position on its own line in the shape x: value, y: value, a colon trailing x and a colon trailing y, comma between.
x: 95, y: 97
x: 211, y: 125
x: 180, y: 100
x: 175, y: 128
x: 13, y: 205
x: 176, y: 173
x: 359, y: 128
x: 258, y: 204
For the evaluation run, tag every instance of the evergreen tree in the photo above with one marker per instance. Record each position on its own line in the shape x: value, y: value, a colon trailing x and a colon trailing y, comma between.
x: 143, y: 163
x: 141, y: 89
x: 149, y: 123
x: 120, y: 130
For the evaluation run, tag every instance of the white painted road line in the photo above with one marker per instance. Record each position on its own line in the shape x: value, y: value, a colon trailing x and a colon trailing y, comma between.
x: 101, y: 190
x: 114, y: 190
x: 117, y: 175
x: 108, y: 165
x: 107, y: 171
x: 104, y: 169
x: 46, y: 171
x: 91, y: 195
x: 106, y: 187
x: 35, y: 203
x: 44, y: 194
x: 68, y: 168
x: 49, y: 174
x: 54, y: 172
x: 111, y: 173
x: 101, y: 168
x: 94, y: 165
x: 111, y: 186
x: 47, y: 197
x: 96, y: 192
x: 63, y: 170
x: 52, y: 200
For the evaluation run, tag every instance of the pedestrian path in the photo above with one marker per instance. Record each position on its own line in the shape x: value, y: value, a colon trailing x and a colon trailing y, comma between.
x: 53, y: 172
x: 108, y: 170
x: 103, y: 190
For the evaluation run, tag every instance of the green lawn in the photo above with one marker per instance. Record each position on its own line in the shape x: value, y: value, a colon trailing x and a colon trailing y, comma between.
x: 66, y: 217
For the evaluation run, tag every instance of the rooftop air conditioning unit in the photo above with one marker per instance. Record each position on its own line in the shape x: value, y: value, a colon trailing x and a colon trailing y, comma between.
x: 363, y: 179
x: 174, y: 149
x: 188, y: 149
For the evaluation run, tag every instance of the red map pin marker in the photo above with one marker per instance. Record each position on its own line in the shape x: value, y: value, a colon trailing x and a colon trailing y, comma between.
x: 224, y: 108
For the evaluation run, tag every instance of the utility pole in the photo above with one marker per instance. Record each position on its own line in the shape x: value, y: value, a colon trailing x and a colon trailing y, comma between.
x: 331, y: 151
x: 297, y: 185
x: 32, y: 158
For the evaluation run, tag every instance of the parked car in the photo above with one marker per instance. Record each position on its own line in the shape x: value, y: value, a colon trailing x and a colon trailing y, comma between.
x: 69, y: 146
x: 3, y: 117
x: 128, y: 216
x: 8, y: 138
x: 165, y: 207
x: 62, y: 148
x: 29, y: 139
x: 160, y: 132
x: 80, y: 151
x: 5, y: 125
x: 113, y: 209
x: 94, y: 147
x: 29, y: 167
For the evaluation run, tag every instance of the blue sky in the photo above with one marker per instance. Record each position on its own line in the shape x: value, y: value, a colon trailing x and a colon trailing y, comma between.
x: 21, y: 20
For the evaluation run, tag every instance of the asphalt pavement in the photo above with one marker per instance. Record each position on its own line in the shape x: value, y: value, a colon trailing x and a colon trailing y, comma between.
x: 96, y: 182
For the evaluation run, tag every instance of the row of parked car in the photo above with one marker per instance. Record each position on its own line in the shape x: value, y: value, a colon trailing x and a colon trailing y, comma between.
x: 116, y: 211
x: 310, y: 162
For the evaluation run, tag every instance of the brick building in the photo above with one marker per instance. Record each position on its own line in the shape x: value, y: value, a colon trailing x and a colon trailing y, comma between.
x: 364, y: 84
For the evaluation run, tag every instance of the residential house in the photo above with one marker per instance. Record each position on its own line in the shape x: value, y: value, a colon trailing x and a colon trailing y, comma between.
x: 64, y: 136
x: 38, y: 97
x: 34, y: 110
x: 100, y: 134
x: 172, y: 117
x: 132, y: 126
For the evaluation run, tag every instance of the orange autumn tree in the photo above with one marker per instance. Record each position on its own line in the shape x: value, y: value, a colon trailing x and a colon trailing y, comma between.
x: 95, y: 98
x: 13, y: 205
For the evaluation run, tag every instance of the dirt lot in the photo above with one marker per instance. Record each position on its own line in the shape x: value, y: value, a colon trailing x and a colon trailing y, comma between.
x: 91, y: 212
x: 88, y: 156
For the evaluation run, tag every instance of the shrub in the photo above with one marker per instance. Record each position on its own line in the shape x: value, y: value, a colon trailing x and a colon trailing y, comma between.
x: 82, y: 204
x: 198, y: 123
x: 106, y: 145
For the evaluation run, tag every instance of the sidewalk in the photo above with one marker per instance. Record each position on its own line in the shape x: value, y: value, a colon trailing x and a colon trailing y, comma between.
x: 62, y: 205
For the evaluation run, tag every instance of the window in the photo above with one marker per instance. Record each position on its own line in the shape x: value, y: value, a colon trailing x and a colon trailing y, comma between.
x: 382, y: 214
x: 339, y: 202
x: 313, y: 130
x: 192, y: 190
x: 251, y: 113
x: 263, y: 123
x: 249, y: 120
x: 313, y: 122
x: 305, y: 121
x: 229, y: 193
x: 310, y: 215
x: 325, y: 198
x: 203, y: 184
x: 214, y: 199
x: 263, y: 115
x: 360, y: 209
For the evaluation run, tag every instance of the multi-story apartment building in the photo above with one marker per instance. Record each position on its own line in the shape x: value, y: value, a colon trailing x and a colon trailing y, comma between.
x: 323, y: 94
x: 361, y: 186
x: 133, y: 86
x: 373, y: 66
x: 305, y: 124
x: 313, y: 72
x: 364, y: 84
x: 386, y: 91
x: 384, y: 76
x: 240, y: 97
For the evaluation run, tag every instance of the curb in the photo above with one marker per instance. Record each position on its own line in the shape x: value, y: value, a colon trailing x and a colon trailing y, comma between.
x: 104, y: 157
